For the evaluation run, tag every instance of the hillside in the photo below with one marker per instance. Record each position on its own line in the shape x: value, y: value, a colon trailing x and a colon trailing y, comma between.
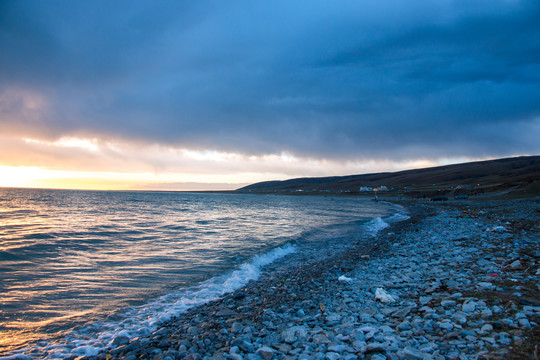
x: 518, y: 175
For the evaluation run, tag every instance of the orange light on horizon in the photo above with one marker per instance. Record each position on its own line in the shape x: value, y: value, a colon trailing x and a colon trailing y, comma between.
x: 36, y: 177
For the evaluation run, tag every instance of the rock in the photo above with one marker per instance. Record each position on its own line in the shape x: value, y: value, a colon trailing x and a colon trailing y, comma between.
x: 468, y: 307
x: 288, y: 335
x: 120, y: 340
x: 293, y: 334
x: 226, y: 312
x: 411, y: 353
x: 485, y: 285
x: 448, y: 303
x: 374, y: 347
x: 497, y: 229
x: 405, y: 325
x: 487, y: 313
x: 425, y: 299
x: 486, y: 328
x: 446, y: 326
x: 382, y: 296
x: 237, y: 327
x: 401, y: 313
x: 244, y: 345
x: 265, y: 352
x: 235, y: 356
x: 320, y: 339
x: 516, y: 265
x: 332, y: 356
x: 339, y: 348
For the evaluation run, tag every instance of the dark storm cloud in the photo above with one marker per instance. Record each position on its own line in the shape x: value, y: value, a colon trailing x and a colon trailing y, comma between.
x: 398, y: 79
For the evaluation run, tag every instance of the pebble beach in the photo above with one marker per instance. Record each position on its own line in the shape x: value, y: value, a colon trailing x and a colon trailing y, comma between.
x: 457, y: 280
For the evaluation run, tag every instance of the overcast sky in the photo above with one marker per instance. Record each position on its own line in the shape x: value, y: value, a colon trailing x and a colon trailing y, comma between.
x: 240, y: 91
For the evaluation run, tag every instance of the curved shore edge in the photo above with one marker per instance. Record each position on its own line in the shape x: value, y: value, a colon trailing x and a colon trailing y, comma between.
x: 460, y: 279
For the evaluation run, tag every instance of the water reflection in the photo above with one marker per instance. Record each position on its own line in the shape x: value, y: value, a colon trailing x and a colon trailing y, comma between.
x: 72, y: 257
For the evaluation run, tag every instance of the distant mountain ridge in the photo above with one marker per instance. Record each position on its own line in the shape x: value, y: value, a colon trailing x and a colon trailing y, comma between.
x: 517, y: 172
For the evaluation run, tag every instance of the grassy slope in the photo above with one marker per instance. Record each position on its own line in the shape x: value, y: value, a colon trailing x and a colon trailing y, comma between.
x: 516, y: 174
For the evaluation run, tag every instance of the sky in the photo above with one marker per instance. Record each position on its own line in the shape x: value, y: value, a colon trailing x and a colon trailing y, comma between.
x: 182, y: 95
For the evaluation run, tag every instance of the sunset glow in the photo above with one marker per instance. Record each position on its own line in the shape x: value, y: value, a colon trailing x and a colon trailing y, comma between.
x: 158, y: 99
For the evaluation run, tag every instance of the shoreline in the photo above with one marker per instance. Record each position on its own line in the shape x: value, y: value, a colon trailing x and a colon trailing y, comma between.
x: 462, y: 288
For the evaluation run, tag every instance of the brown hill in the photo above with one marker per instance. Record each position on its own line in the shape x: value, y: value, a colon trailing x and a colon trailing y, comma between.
x: 509, y: 175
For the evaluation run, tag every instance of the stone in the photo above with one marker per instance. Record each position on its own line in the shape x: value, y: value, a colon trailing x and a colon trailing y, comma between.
x: 468, y: 307
x: 120, y: 340
x: 411, y: 353
x: 289, y: 335
x: 448, y: 303
x: 226, y: 312
x: 265, y: 352
x: 446, y: 326
x: 384, y: 297
x: 425, y: 299
x: 320, y: 339
x: 237, y: 327
x: 524, y: 323
x: 339, y: 348
x: 487, y: 328
x: 405, y: 325
x: 401, y: 313
x: 485, y: 285
x: 332, y: 356
x: 374, y: 347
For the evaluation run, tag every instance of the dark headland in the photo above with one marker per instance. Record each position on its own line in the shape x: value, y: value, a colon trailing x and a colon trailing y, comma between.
x: 514, y: 177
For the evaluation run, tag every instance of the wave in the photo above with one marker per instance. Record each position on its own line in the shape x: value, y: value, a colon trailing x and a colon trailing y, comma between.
x: 375, y: 225
x: 88, y: 341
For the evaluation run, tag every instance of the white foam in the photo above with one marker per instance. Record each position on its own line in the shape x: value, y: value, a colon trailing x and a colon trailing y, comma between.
x: 397, y: 217
x: 373, y: 226
x: 147, y: 318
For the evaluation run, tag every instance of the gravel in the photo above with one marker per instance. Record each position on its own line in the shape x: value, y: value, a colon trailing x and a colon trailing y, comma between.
x: 455, y: 281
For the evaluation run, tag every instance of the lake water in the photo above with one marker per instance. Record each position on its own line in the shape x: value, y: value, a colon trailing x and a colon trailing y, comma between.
x: 78, y: 268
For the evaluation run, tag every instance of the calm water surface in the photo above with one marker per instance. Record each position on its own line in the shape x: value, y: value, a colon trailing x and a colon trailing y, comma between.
x: 79, y: 267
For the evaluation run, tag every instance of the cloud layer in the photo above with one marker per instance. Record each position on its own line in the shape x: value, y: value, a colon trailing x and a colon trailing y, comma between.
x: 317, y: 79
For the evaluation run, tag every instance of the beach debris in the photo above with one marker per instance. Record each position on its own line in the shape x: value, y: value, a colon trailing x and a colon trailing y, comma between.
x: 384, y: 297
x: 344, y: 278
x: 497, y: 229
